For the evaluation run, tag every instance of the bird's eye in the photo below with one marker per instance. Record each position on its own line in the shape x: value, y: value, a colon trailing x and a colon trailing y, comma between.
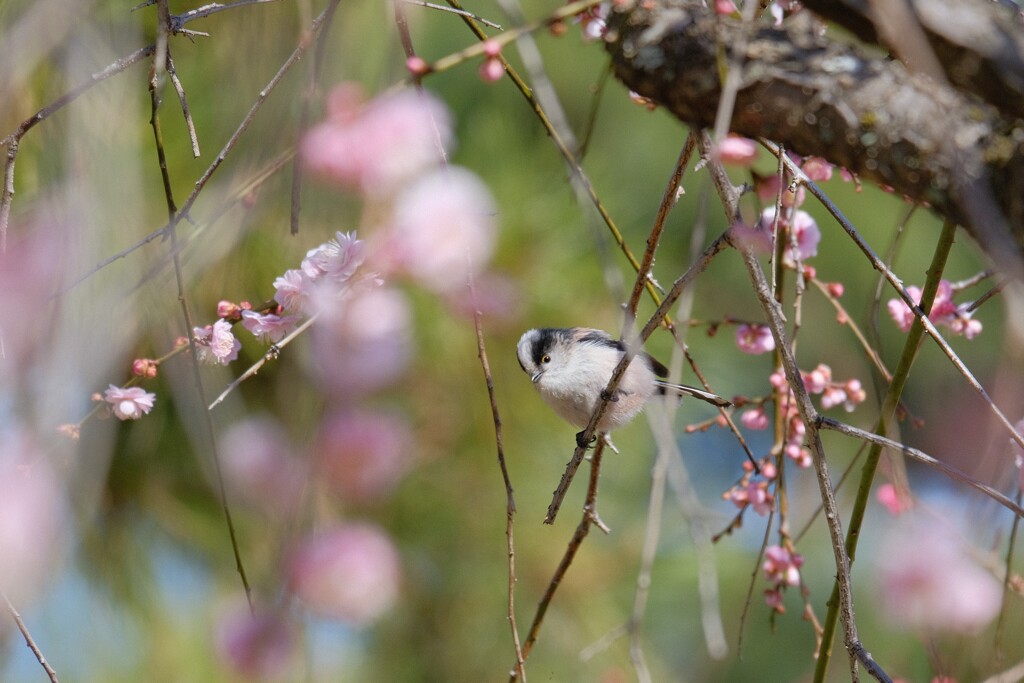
x: 545, y: 359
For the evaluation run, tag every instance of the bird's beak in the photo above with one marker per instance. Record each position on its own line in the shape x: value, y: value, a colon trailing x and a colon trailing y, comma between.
x: 536, y: 376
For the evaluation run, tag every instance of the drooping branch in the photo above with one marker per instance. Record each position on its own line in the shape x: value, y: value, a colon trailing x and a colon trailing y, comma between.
x: 928, y: 141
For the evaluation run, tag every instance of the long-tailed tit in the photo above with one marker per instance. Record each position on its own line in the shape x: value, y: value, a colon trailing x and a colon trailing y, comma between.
x: 571, y: 367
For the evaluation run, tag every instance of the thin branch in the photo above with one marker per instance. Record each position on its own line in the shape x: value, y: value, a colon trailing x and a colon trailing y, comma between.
x: 180, y: 89
x: 29, y: 641
x: 922, y: 457
x: 272, y: 353
x: 590, y: 518
x: 178, y: 21
x: 460, y: 12
x: 510, y: 503
x: 12, y: 140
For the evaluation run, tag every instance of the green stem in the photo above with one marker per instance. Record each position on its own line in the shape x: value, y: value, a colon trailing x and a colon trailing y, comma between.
x: 889, y: 403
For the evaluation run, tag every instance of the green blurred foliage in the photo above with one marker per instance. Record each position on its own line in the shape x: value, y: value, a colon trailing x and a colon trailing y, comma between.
x: 448, y: 516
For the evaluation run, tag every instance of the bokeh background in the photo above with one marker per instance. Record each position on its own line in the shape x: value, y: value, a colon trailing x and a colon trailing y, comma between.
x: 141, y: 582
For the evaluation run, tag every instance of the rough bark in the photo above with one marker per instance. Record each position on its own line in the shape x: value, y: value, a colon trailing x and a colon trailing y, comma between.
x: 928, y: 140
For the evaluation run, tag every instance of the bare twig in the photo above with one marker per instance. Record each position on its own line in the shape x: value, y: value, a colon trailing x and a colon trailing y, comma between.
x: 180, y: 89
x: 12, y: 140
x: 510, y: 503
x: 460, y: 12
x: 178, y: 21
x: 271, y: 354
x: 922, y: 457
x: 30, y: 642
x: 590, y: 518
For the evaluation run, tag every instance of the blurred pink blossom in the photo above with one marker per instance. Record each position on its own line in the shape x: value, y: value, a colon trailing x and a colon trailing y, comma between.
x: 259, y: 647
x: 782, y: 567
x: 145, y: 367
x: 260, y: 467
x: 726, y: 7
x: 351, y: 572
x: 293, y: 291
x: 32, y: 515
x: 594, y: 21
x: 216, y: 343
x: 129, y: 403
x: 363, y: 454
x: 891, y: 500
x: 817, y: 169
x: 443, y: 228
x: 754, y: 418
x: 930, y: 582
x: 363, y: 342
x: 817, y: 380
x: 734, y: 149
x: 269, y: 326
x: 373, y: 147
x: 755, y: 339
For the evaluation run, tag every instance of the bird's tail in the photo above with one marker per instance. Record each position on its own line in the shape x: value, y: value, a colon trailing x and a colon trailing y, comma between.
x: 684, y: 390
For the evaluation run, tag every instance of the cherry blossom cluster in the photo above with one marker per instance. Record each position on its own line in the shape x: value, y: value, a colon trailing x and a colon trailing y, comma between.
x: 956, y: 317
x: 753, y: 490
x: 782, y: 569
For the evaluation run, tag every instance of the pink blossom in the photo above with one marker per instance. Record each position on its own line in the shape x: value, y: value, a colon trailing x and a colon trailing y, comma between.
x: 363, y: 454
x: 855, y: 394
x: 228, y: 310
x: 782, y: 567
x: 594, y: 22
x: 802, y: 227
x: 734, y: 149
x: 832, y: 396
x: 944, y: 311
x: 929, y: 581
x: 293, y: 291
x: 216, y: 343
x: 443, y: 229
x: 260, y: 465
x: 258, y: 647
x: 32, y: 515
x: 798, y: 454
x: 144, y: 367
x: 417, y: 66
x: 269, y: 326
x: 892, y: 501
x: 817, y: 169
x: 129, y: 403
x: 754, y: 418
x: 361, y: 343
x: 817, y: 380
x: 778, y: 379
x: 375, y: 147
x: 350, y: 572
x: 755, y: 339
x: 491, y: 70
x: 773, y: 598
x: 337, y: 259
x: 726, y: 7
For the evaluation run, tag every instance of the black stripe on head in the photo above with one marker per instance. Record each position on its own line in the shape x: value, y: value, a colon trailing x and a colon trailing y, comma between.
x: 656, y: 366
x: 542, y: 343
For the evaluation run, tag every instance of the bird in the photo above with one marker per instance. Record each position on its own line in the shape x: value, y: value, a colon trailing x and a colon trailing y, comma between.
x: 570, y: 368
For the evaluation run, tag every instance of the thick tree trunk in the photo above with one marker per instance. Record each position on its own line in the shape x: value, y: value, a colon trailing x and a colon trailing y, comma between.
x: 925, y: 138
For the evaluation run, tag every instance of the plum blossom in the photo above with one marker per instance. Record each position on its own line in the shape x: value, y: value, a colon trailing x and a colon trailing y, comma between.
x: 260, y: 646
x: 336, y: 260
x: 293, y: 290
x: 351, y: 572
x: 594, y: 21
x: 216, y: 343
x: 443, y: 229
x: 754, y: 339
x: 145, y: 367
x: 374, y: 147
x: 269, y: 326
x: 260, y: 467
x: 957, y: 318
x: 362, y: 342
x: 803, y: 229
x: 755, y: 494
x: 754, y: 418
x: 363, y: 454
x: 32, y: 514
x: 782, y: 568
x: 891, y: 499
x: 129, y: 403
x: 929, y: 581
x: 734, y: 149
